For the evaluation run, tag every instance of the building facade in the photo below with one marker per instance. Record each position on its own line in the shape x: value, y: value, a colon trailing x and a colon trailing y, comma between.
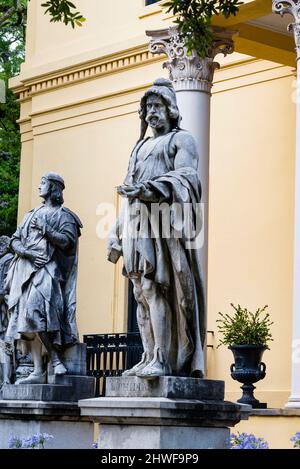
x: 79, y: 92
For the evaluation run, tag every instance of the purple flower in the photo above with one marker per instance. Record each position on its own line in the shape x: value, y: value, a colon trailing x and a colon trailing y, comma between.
x: 247, y: 441
x: 35, y: 441
x: 14, y: 442
x: 296, y: 440
x: 43, y: 437
x: 27, y: 444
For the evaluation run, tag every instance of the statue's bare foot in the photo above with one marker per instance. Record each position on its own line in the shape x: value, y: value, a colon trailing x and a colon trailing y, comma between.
x: 155, y: 369
x: 5, y: 381
x: 60, y: 369
x: 33, y: 378
x: 138, y: 367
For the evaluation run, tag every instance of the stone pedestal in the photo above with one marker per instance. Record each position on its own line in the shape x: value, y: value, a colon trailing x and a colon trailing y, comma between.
x: 74, y: 359
x: 60, y: 419
x: 171, y: 387
x: 164, y: 413
x: 72, y: 387
x: 60, y: 388
x: 28, y: 409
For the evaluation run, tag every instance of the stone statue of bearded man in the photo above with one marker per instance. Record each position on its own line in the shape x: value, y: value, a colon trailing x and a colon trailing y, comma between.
x: 165, y: 270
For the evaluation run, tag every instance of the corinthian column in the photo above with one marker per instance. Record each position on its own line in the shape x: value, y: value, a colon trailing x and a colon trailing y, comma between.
x: 192, y: 77
x: 293, y: 7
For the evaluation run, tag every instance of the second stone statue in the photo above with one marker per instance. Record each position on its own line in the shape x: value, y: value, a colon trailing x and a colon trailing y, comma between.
x: 41, y: 280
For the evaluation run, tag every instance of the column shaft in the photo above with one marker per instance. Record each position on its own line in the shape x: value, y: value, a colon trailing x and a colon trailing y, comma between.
x: 192, y: 77
x: 292, y: 7
x: 194, y: 107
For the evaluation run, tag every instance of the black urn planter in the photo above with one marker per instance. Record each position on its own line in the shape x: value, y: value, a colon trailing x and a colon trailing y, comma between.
x: 248, y: 369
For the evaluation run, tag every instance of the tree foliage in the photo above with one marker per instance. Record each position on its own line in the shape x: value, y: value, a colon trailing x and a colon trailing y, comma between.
x: 11, y: 57
x: 12, y: 12
x: 59, y: 10
x: 194, y: 19
x: 13, y: 17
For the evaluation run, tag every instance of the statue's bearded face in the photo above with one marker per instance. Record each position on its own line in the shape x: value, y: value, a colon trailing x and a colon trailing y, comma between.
x: 156, y: 112
x: 44, y: 188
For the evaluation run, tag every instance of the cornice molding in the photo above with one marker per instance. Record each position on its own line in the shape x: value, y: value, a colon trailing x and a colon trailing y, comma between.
x: 27, y: 89
x: 79, y: 73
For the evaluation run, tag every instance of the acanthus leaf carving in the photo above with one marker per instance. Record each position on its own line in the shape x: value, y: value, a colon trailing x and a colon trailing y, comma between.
x: 292, y: 7
x: 189, y: 71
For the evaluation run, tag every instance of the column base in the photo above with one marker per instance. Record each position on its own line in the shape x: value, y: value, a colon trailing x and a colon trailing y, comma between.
x: 293, y: 402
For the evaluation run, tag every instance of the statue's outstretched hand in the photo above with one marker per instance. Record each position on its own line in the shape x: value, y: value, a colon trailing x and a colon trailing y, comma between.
x: 138, y: 191
x: 131, y: 192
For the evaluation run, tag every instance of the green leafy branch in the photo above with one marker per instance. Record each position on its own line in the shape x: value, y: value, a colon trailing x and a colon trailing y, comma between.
x: 14, y: 12
x: 194, y: 20
x: 63, y: 10
x: 244, y: 327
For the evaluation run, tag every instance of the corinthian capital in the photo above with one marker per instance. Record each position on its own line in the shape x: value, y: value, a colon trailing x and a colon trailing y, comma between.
x: 189, y: 71
x: 291, y: 7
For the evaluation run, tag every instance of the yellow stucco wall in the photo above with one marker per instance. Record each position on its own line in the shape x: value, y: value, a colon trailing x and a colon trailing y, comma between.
x: 251, y: 212
x: 80, y: 92
x: 276, y: 430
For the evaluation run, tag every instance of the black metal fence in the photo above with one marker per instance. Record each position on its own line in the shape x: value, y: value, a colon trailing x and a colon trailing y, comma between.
x: 111, y: 354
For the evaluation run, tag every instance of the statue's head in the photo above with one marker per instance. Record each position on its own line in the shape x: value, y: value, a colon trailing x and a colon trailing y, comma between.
x: 160, y: 103
x: 52, y: 186
x: 4, y: 245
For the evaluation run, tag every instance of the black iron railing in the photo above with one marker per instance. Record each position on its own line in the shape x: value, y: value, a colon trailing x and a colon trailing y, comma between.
x: 111, y: 354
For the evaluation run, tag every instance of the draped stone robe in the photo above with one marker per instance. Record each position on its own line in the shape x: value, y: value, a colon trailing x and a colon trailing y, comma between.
x: 4, y: 266
x: 43, y: 299
x: 170, y: 263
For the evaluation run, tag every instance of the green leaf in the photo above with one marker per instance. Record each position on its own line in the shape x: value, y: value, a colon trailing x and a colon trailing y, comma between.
x: 194, y: 18
x: 245, y: 327
x: 63, y: 10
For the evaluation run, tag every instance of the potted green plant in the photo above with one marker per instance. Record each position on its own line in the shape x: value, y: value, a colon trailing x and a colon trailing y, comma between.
x: 247, y: 335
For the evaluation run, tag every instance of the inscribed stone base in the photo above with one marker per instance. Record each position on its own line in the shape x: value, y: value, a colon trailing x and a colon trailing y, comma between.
x: 61, y: 388
x: 165, y: 386
x: 35, y: 392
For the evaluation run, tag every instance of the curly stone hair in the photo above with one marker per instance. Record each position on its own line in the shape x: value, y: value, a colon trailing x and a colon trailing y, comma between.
x: 56, y: 193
